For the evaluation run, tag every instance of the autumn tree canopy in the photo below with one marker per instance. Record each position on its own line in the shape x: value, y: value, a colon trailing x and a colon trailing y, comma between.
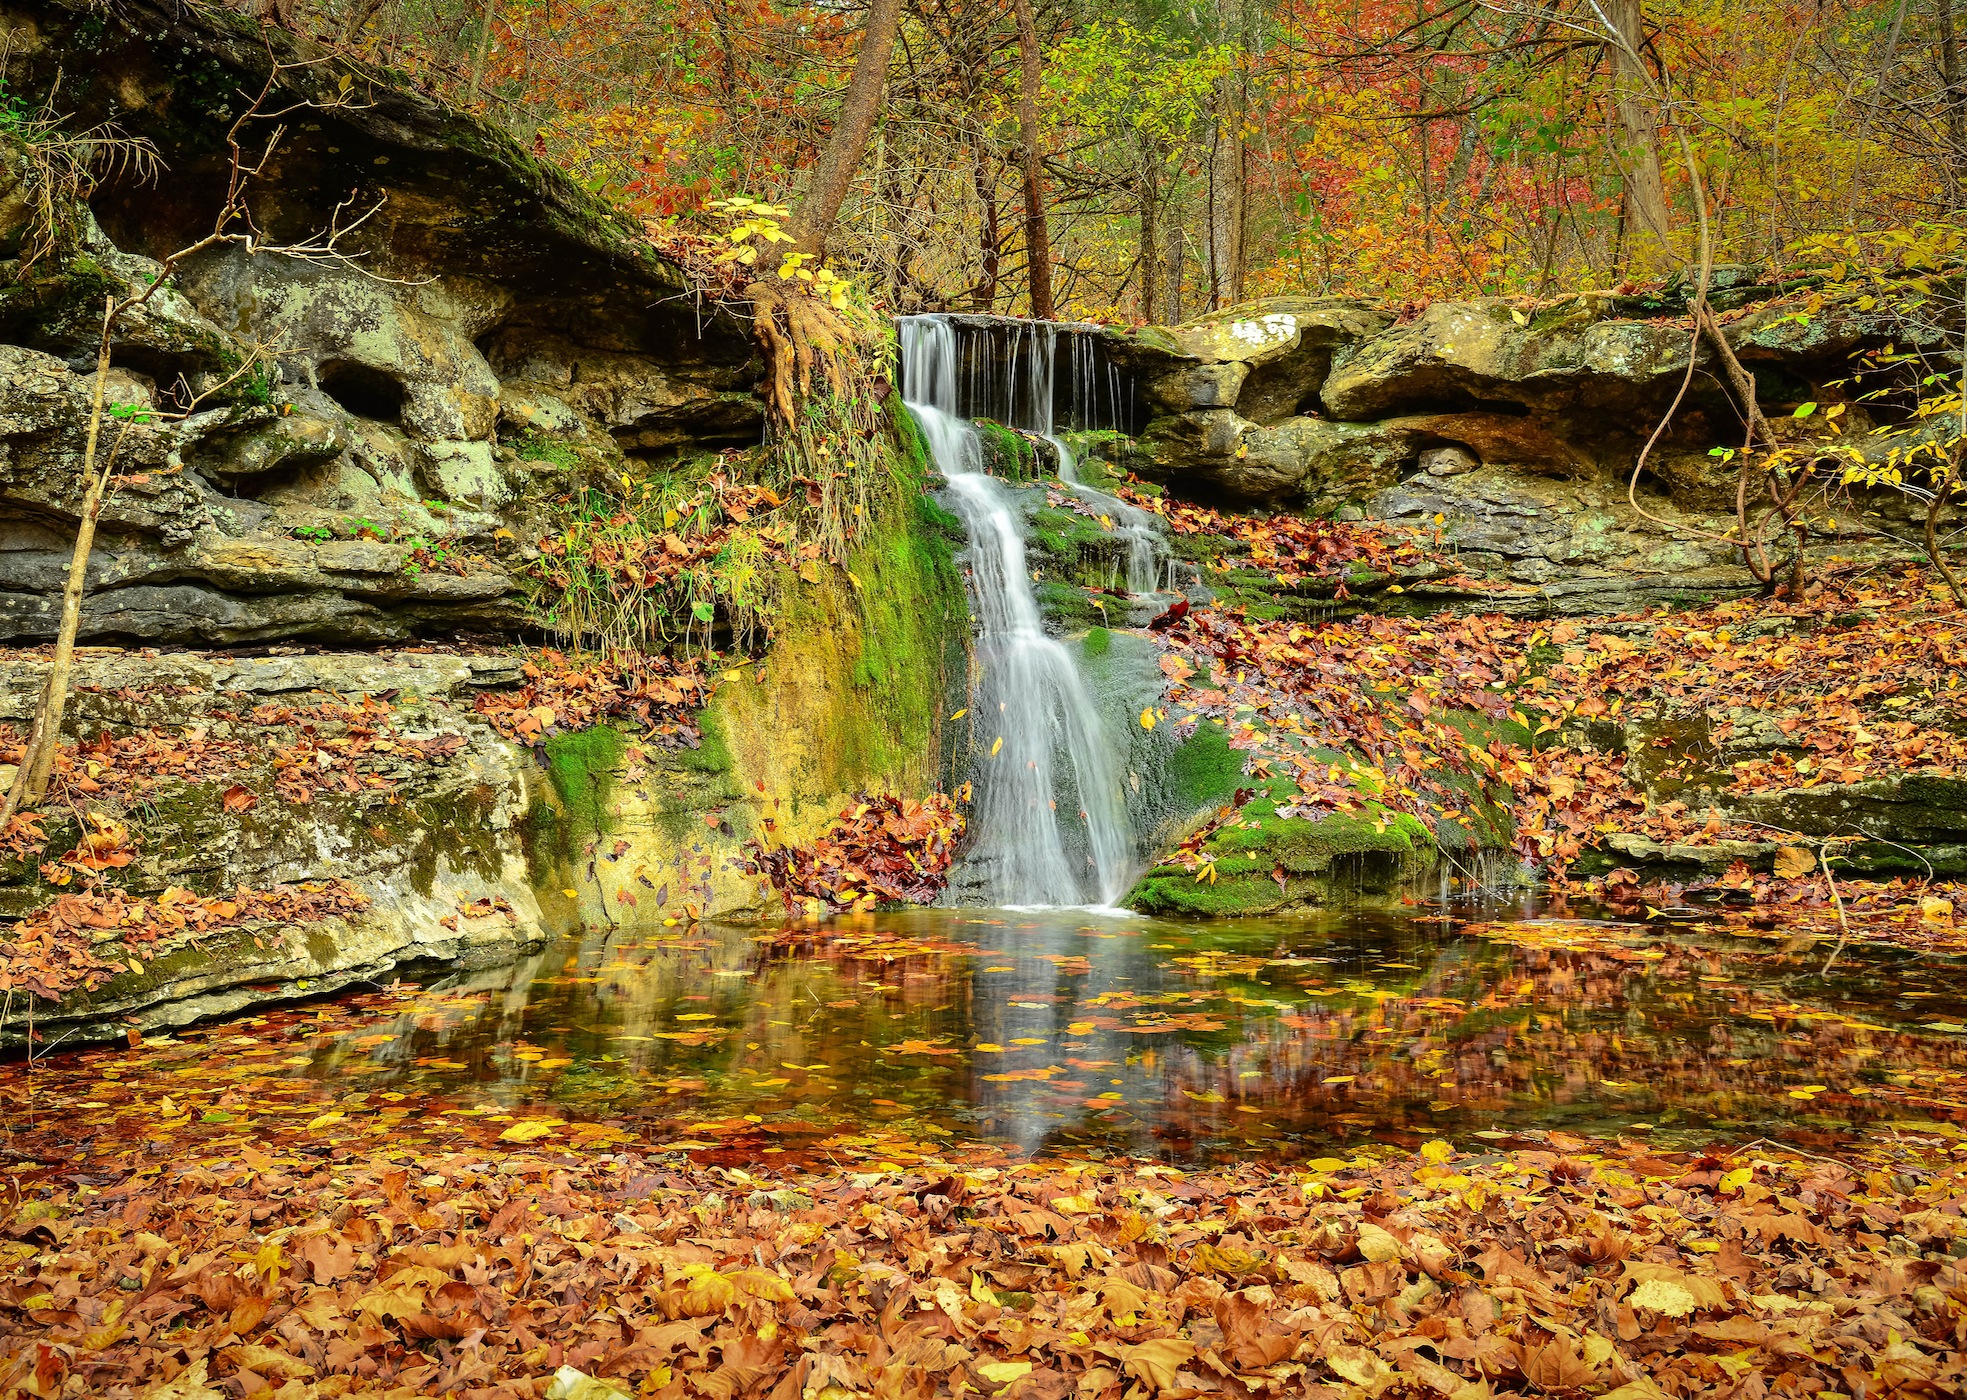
x: 1184, y: 156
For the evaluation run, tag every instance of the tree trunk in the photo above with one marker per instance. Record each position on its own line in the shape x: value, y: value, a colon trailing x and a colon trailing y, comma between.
x: 38, y: 758
x: 1226, y: 203
x: 729, y: 77
x: 1636, y: 135
x: 984, y: 298
x: 1951, y: 101
x: 1037, y: 238
x: 1150, y: 261
x: 358, y: 19
x: 848, y: 143
x: 1227, y: 152
x: 481, y: 52
x: 1172, y: 307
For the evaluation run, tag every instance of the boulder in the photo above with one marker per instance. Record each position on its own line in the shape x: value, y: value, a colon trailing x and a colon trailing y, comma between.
x: 425, y: 842
x: 1490, y: 355
x: 1267, y: 360
x: 1320, y: 464
x: 1451, y: 460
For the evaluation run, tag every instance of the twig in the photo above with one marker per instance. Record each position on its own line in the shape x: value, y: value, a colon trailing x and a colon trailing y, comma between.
x: 1843, y: 924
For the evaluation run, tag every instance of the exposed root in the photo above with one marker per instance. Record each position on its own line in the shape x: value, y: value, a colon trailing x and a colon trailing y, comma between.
x: 805, y: 342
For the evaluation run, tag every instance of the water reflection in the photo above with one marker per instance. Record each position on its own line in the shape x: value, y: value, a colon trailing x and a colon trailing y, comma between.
x: 1062, y: 1030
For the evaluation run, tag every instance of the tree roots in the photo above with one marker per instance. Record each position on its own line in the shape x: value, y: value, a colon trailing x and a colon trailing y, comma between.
x: 805, y: 342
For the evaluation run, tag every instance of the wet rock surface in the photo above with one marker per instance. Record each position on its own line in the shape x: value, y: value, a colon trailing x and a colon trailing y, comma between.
x: 301, y: 769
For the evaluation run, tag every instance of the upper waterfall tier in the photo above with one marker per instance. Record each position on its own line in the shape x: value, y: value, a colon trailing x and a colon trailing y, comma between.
x: 1042, y: 376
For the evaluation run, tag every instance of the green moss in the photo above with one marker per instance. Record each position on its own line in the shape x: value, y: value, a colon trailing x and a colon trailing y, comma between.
x: 911, y: 448
x: 685, y: 784
x: 1205, y: 770
x: 1268, y: 862
x: 1097, y: 642
x: 911, y: 607
x: 582, y: 766
x: 1006, y: 454
x: 1069, y: 607
x: 713, y: 754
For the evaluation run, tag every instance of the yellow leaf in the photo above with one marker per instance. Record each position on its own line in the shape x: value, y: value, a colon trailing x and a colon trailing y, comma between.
x: 1437, y: 1151
x: 994, y: 748
x: 1147, y: 718
x: 530, y: 1130
x: 704, y: 1291
x: 324, y: 1120
x: 268, y: 1362
x: 1662, y: 1296
x: 1156, y: 1362
x: 1004, y: 1372
x: 763, y: 1283
x: 109, y: 1330
x: 1234, y: 1263
x: 1358, y: 1365
x: 1377, y: 1245
x: 391, y: 1302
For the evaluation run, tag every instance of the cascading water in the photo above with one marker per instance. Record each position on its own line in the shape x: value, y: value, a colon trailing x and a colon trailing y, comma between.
x: 1045, y: 745
x: 1147, y: 552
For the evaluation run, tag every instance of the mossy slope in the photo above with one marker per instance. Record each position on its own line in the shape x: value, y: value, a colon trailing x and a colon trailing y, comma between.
x: 850, y: 696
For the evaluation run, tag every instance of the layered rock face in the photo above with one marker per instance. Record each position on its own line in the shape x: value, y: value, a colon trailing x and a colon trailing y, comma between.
x: 490, y: 328
x: 365, y: 767
x: 307, y: 580
x: 1516, y: 433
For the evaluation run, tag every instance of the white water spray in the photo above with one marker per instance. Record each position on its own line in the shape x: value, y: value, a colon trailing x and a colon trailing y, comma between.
x: 1041, y: 746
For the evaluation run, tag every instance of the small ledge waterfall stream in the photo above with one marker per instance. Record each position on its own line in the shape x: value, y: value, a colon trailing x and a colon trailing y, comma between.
x: 1049, y: 826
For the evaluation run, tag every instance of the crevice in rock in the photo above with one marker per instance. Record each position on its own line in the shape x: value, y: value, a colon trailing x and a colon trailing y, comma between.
x: 363, y: 390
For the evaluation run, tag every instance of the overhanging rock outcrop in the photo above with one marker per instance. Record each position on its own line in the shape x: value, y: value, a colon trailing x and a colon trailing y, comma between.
x: 1515, y: 432
x: 381, y: 427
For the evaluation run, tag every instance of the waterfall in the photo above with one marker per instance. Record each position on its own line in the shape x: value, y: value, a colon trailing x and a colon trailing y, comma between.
x: 1040, y: 742
x: 1147, y: 551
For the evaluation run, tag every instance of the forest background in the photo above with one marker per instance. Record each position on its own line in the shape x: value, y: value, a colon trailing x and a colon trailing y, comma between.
x: 1189, y: 156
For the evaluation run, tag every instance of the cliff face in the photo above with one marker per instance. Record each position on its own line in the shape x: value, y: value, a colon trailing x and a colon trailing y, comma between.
x: 1516, y: 431
x: 306, y: 585
x: 492, y: 328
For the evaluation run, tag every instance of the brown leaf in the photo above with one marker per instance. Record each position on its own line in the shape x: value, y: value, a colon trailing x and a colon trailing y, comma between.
x: 1554, y: 1366
x: 1155, y: 1363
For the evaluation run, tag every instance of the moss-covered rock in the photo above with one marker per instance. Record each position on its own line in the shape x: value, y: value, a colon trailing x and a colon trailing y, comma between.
x: 1260, y: 863
x: 851, y: 695
x: 433, y: 840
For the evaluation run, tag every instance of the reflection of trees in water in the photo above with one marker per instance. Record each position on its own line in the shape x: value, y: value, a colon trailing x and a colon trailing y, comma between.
x: 1432, y: 1034
x: 1554, y: 1036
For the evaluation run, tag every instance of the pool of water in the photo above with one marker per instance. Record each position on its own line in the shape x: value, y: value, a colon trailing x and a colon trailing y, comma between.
x: 1063, y: 1031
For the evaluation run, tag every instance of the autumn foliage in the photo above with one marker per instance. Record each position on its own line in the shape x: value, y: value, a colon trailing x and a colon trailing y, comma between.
x: 59, y: 949
x: 881, y: 849
x: 565, y: 694
x: 1541, y: 1265
x: 1292, y: 549
x: 1371, y: 715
